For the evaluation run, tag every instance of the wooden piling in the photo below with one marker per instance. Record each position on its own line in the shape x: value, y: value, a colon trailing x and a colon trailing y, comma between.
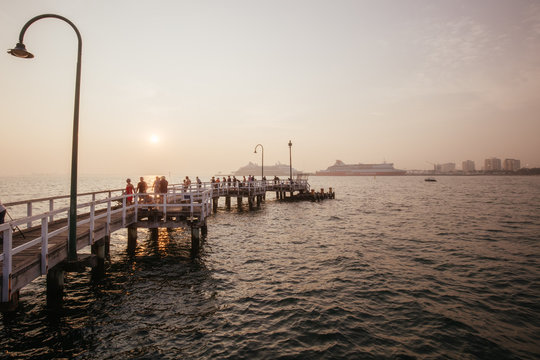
x: 215, y: 203
x: 12, y: 304
x: 195, y: 241
x: 55, y: 286
x: 239, y: 202
x: 98, y: 249
x: 228, y: 202
x: 107, y: 242
x: 132, y: 237
x: 259, y: 199
x: 204, y: 229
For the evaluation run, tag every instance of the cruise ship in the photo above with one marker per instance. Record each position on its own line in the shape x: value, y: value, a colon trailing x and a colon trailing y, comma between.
x: 272, y: 170
x: 342, y: 169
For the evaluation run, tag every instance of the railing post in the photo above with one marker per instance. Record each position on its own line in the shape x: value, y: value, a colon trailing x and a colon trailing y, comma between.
x: 92, y: 221
x: 124, y: 211
x: 44, y: 246
x: 108, y: 225
x: 136, y: 198
x: 6, y: 278
x: 165, y: 206
x: 51, y: 208
x: 29, y: 214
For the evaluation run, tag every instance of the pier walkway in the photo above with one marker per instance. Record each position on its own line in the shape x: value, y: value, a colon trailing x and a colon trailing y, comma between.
x: 36, y: 243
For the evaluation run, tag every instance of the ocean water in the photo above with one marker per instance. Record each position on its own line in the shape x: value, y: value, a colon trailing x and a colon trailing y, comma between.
x: 393, y: 268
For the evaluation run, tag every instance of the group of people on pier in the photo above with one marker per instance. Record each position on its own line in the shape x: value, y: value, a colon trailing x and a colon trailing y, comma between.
x: 234, y: 182
x: 160, y: 186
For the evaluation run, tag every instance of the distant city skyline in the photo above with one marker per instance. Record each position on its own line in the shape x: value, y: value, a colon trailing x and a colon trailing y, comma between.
x: 191, y: 87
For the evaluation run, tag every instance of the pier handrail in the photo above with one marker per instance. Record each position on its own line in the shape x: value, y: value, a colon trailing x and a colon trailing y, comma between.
x: 98, y: 209
x: 196, y: 197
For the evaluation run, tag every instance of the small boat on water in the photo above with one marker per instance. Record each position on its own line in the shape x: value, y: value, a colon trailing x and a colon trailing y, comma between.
x: 430, y: 179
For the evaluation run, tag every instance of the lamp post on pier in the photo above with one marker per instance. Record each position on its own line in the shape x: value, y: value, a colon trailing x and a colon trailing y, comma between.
x: 290, y: 159
x: 262, y: 159
x: 20, y: 51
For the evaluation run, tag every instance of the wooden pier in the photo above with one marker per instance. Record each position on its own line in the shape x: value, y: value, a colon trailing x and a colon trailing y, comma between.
x: 41, y: 245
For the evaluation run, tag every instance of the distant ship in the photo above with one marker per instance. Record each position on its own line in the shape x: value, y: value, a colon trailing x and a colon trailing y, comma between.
x: 272, y: 170
x: 342, y: 169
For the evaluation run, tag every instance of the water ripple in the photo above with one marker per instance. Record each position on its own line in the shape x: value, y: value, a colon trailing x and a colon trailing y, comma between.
x: 392, y: 269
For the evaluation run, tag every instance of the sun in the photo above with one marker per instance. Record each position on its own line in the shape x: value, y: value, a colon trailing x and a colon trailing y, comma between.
x: 154, y: 139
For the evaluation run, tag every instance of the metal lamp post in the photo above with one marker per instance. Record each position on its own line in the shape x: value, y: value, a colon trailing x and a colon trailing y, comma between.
x: 20, y: 51
x: 290, y: 159
x: 262, y: 159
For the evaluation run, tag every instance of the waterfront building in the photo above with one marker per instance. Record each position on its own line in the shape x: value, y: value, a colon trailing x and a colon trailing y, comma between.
x: 468, y: 166
x: 445, y: 168
x: 511, y: 164
x: 492, y: 164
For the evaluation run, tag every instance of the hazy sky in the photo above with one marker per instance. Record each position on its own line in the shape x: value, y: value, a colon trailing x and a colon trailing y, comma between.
x: 402, y: 81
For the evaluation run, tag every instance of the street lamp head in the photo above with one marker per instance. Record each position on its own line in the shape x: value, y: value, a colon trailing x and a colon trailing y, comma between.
x: 255, y: 151
x: 20, y: 51
x: 290, y: 143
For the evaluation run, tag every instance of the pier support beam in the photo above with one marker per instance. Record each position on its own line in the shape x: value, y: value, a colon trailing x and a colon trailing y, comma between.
x: 195, y: 241
x: 204, y: 230
x: 55, y: 286
x: 11, y: 305
x: 107, y: 242
x: 132, y: 237
x: 215, y: 203
x: 239, y: 202
x: 98, y: 249
x: 228, y: 202
x: 259, y: 199
x: 250, y: 202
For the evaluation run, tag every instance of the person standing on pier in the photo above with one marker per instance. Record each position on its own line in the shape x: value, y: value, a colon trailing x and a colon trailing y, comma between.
x: 187, y: 183
x: 142, y: 186
x: 155, y: 187
x: 163, y: 186
x: 130, y: 189
x: 199, y: 183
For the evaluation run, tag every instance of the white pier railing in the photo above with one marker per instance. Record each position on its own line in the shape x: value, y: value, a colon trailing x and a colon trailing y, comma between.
x: 102, y: 206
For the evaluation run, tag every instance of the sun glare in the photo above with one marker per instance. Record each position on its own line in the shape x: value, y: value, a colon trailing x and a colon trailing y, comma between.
x: 154, y: 139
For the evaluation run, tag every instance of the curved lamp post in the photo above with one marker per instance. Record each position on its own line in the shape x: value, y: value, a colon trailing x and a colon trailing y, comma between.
x: 290, y: 159
x: 20, y: 51
x: 262, y: 159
